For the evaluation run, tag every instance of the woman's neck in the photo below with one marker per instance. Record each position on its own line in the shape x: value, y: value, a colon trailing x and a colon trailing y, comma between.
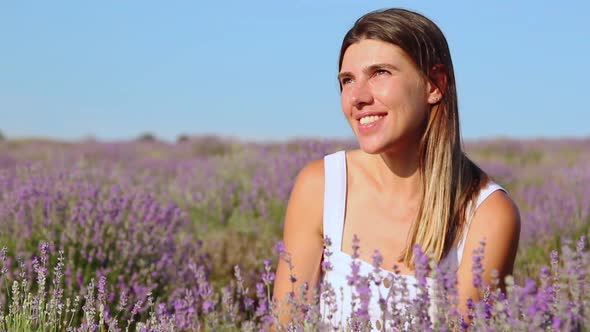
x: 397, y: 173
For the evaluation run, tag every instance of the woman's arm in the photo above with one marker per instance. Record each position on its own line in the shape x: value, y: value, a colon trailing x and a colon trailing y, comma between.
x: 497, y: 222
x: 302, y: 235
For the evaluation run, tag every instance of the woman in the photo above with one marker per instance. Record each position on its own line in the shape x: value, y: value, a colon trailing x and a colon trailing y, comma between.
x: 410, y: 182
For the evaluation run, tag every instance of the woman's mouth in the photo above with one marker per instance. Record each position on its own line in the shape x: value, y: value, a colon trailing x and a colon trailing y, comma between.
x: 368, y: 124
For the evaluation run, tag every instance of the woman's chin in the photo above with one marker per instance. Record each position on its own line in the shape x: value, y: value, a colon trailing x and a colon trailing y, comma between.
x: 371, y: 147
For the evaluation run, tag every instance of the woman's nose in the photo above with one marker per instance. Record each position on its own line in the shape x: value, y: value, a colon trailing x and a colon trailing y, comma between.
x: 361, y: 94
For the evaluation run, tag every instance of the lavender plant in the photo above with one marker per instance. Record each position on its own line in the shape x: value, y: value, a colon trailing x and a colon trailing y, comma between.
x: 156, y: 230
x: 558, y: 302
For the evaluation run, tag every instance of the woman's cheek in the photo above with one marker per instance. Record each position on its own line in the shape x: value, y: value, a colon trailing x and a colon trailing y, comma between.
x: 345, y: 101
x: 382, y: 89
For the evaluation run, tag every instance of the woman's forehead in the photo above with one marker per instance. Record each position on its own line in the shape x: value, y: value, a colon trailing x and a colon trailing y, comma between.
x: 368, y: 52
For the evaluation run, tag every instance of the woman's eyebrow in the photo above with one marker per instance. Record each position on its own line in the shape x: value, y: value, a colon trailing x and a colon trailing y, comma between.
x: 373, y: 67
x: 369, y: 69
x: 344, y: 74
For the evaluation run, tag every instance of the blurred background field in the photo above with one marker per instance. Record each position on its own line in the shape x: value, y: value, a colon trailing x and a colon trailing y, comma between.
x: 113, y: 205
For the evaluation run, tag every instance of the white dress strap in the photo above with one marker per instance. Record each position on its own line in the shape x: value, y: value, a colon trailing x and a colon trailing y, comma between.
x: 483, y: 194
x: 334, y: 197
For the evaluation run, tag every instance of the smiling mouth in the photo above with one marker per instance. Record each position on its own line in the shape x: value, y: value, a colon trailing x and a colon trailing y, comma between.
x: 370, y: 119
x: 369, y: 124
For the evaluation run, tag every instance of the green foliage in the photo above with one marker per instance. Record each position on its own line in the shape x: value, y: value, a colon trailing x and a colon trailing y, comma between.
x: 147, y: 137
x: 182, y: 138
x: 211, y: 146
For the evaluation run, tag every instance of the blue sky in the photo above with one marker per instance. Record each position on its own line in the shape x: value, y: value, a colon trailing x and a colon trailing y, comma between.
x: 267, y: 69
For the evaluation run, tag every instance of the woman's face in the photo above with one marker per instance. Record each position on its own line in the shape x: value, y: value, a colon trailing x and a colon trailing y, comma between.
x: 384, y: 97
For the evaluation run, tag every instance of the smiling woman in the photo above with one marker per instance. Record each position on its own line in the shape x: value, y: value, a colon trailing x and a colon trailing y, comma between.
x: 377, y: 77
x: 409, y: 184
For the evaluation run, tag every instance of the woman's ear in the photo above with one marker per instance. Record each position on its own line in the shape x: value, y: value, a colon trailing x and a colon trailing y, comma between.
x: 437, y: 83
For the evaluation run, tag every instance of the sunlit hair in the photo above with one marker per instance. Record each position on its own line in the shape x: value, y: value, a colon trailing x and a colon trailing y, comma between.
x: 450, y: 180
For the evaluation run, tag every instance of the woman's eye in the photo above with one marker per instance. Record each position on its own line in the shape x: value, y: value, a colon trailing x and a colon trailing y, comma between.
x: 345, y: 80
x: 381, y: 72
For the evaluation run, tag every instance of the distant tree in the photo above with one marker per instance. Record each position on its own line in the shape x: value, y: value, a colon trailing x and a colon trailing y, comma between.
x: 147, y: 137
x: 182, y: 138
x: 90, y: 138
x: 2, y: 137
x: 210, y: 145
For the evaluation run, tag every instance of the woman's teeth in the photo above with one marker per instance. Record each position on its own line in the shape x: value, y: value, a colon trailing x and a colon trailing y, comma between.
x: 369, y: 119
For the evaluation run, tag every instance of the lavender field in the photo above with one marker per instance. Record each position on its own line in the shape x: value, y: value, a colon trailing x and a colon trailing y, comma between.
x: 148, y: 235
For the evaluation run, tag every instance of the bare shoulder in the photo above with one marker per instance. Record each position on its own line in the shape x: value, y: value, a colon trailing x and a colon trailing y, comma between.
x: 302, y: 233
x: 309, y: 183
x: 497, y: 223
x: 312, y: 175
x: 305, y: 204
x: 497, y: 216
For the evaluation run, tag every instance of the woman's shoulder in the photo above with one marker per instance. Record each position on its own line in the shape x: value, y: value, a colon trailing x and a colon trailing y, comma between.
x: 496, y: 223
x: 493, y: 203
x: 487, y: 189
x: 496, y: 218
x: 315, y: 169
x: 308, y: 186
x: 496, y: 204
x: 311, y: 176
x: 305, y: 205
x: 307, y: 194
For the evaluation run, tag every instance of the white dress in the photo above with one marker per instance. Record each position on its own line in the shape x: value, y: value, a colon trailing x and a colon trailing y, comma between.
x: 333, y: 224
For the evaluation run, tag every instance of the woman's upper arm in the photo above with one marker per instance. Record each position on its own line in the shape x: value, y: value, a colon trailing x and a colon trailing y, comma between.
x: 302, y: 233
x: 497, y: 222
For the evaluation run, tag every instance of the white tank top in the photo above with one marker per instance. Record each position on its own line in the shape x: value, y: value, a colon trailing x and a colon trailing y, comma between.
x: 333, y: 224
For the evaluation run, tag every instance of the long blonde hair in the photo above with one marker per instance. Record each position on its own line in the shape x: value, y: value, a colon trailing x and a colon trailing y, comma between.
x: 450, y: 180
